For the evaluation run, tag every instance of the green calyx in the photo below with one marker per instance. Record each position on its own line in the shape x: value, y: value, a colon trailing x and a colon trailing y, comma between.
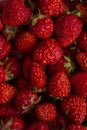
x: 39, y: 90
x: 69, y: 65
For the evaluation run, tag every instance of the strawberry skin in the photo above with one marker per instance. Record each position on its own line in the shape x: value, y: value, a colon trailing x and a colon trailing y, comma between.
x: 5, y: 47
x: 79, y: 83
x: 59, y: 85
x: 43, y: 27
x: 38, y: 126
x: 76, y: 127
x: 52, y: 7
x: 48, y: 52
x: 82, y: 60
x: 25, y: 42
x: 7, y: 93
x: 46, y: 112
x: 14, y: 123
x: 25, y: 99
x: 3, y: 75
x: 15, y: 13
x: 8, y: 110
x: 38, y: 78
x: 67, y: 28
x: 74, y: 108
x: 82, y: 41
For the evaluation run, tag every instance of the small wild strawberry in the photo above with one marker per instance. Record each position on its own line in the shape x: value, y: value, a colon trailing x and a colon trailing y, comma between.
x: 59, y: 85
x: 74, y: 108
x: 46, y: 112
x: 25, y: 42
x: 48, y: 52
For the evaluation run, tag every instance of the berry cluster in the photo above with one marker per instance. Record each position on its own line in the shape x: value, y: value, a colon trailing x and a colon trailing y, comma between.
x: 43, y: 65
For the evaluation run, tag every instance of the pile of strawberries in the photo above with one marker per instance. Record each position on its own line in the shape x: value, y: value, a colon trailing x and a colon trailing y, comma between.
x: 43, y: 65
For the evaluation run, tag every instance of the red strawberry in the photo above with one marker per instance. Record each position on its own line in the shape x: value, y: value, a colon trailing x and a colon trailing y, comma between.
x: 12, y: 66
x: 82, y: 60
x: 38, y: 126
x: 3, y: 74
x: 79, y: 83
x: 22, y: 83
x: 7, y: 93
x: 15, y: 13
x: 52, y: 7
x: 46, y: 112
x: 25, y: 100
x: 1, y: 25
x: 82, y: 41
x: 65, y: 64
x: 38, y: 78
x: 48, y: 52
x: 41, y: 26
x: 67, y: 28
x: 8, y: 110
x: 74, y: 108
x: 25, y: 42
x: 59, y: 85
x: 76, y: 127
x: 27, y: 64
x: 5, y: 47
x: 13, y: 123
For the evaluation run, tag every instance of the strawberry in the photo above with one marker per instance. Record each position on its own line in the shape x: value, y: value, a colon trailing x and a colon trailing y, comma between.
x: 22, y: 83
x: 82, y: 60
x: 13, y: 123
x: 5, y: 47
x: 41, y: 26
x: 25, y: 42
x: 38, y: 126
x: 46, y: 112
x: 52, y: 7
x: 76, y: 127
x: 25, y: 100
x: 3, y: 74
x: 12, y: 66
x: 74, y: 108
x: 15, y: 13
x: 7, y: 92
x: 38, y: 78
x: 27, y: 64
x: 79, y: 83
x: 59, y: 85
x: 8, y: 110
x: 65, y: 64
x: 82, y: 41
x: 48, y: 52
x: 67, y: 28
x: 1, y: 25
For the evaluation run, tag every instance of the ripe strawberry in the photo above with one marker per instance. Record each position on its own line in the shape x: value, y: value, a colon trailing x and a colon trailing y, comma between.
x: 5, y: 47
x: 15, y: 13
x: 12, y: 66
x: 27, y: 64
x: 25, y: 42
x: 3, y: 74
x: 22, y: 83
x: 13, y: 123
x: 25, y: 100
x: 41, y: 26
x: 59, y: 85
x: 8, y: 110
x: 7, y: 93
x: 1, y: 25
x: 79, y: 83
x: 67, y: 28
x: 74, y: 108
x: 52, y: 7
x: 76, y: 127
x: 65, y: 64
x: 46, y: 112
x: 38, y: 126
x: 48, y: 52
x: 82, y: 60
x: 38, y: 78
x: 82, y: 41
